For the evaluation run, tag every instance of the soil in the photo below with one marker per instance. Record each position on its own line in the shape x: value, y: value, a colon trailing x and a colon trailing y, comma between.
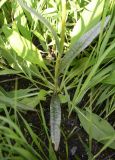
x: 76, y: 147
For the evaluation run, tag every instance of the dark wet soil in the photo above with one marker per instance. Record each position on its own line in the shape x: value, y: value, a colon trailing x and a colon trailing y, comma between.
x: 76, y: 141
x: 72, y: 133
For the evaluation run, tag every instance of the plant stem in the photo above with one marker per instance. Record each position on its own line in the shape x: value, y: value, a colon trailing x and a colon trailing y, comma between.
x: 63, y: 25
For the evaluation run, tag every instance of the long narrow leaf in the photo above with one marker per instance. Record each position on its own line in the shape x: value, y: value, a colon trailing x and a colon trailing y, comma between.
x: 89, y: 18
x: 55, y: 120
x: 80, y: 45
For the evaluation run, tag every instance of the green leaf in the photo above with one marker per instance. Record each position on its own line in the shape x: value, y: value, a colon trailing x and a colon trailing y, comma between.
x: 107, y: 92
x: 100, y: 129
x: 63, y: 98
x: 89, y: 18
x: 80, y: 45
x: 21, y: 93
x: 52, y: 154
x: 30, y: 102
x: 111, y: 54
x: 10, y: 102
x: 23, y: 47
x: 55, y: 120
x: 33, y: 101
x: 35, y: 139
x: 39, y: 17
x: 24, y: 153
x: 8, y: 71
x: 103, y: 75
x: 21, y: 21
x: 110, y: 79
x: 2, y: 2
x: 11, y: 134
x: 13, y: 126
